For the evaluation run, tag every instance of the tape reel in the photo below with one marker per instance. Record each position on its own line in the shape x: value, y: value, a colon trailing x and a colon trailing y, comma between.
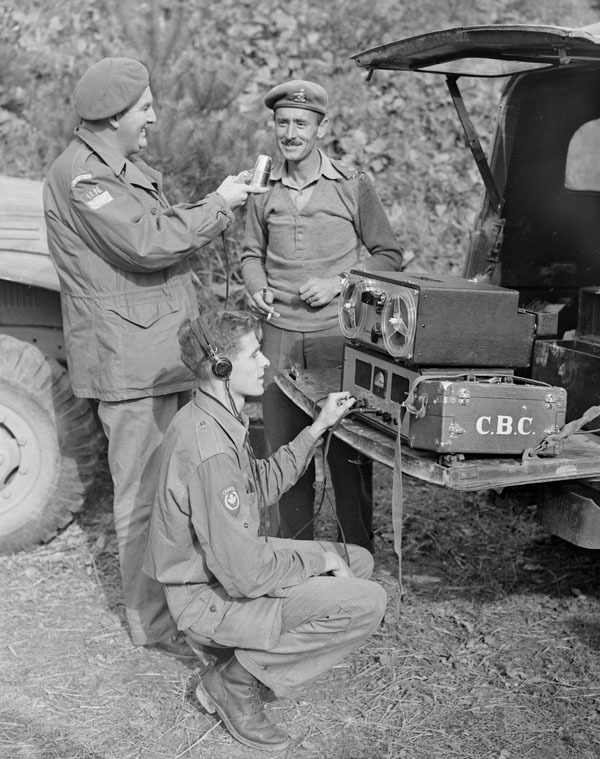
x: 399, y: 323
x: 352, y: 311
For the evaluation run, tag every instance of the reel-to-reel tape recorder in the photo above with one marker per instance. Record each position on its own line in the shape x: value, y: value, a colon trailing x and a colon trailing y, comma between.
x: 433, y: 358
x: 436, y: 319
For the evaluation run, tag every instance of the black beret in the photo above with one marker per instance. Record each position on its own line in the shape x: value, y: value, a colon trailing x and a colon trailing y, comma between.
x: 109, y: 87
x: 298, y: 94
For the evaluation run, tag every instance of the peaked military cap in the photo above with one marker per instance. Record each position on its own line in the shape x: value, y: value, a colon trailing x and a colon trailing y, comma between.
x: 298, y: 94
x: 108, y: 87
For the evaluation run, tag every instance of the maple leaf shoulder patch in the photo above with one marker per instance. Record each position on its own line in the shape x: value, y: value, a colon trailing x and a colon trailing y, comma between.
x: 231, y: 499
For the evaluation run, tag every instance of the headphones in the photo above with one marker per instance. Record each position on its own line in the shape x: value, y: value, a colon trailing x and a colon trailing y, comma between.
x: 221, y: 365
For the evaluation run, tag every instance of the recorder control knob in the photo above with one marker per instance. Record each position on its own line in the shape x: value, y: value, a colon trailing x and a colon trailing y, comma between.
x: 375, y: 332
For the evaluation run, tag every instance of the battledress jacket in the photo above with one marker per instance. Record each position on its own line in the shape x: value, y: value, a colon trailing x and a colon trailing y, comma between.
x: 224, y: 581
x: 121, y: 253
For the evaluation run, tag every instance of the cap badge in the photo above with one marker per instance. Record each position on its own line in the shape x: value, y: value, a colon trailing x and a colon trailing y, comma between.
x: 300, y: 96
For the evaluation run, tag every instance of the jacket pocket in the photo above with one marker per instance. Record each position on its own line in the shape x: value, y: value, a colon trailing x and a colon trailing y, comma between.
x: 145, y: 314
x: 138, y: 349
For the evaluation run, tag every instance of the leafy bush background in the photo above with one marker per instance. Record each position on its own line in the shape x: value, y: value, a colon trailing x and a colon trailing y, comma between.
x: 211, y: 63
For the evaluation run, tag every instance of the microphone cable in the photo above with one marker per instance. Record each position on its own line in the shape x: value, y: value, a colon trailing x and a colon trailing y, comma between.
x: 323, y: 484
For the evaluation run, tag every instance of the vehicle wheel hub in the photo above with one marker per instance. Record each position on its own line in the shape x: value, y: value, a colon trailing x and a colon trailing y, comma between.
x: 19, y: 456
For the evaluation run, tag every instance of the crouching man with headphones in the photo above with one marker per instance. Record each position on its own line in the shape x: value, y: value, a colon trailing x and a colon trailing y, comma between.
x: 282, y: 611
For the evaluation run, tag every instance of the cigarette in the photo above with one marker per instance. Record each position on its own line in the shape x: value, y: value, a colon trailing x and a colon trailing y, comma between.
x: 269, y: 315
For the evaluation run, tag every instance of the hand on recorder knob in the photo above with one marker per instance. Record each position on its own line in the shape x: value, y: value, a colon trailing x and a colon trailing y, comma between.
x: 235, y: 191
x: 334, y: 408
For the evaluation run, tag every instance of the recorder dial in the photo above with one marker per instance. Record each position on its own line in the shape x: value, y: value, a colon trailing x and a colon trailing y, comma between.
x: 352, y: 311
x: 398, y: 322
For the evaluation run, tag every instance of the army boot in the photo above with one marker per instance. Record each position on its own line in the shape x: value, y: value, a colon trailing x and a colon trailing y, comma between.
x: 232, y: 692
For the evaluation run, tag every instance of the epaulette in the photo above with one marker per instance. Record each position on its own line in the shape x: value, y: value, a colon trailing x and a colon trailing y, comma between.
x: 348, y: 172
x: 209, y: 442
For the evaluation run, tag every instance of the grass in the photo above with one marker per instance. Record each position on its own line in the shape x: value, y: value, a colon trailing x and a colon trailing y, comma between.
x: 491, y: 652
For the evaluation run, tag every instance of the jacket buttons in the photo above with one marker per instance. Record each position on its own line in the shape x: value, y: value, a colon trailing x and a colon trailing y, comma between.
x: 246, y: 525
x: 154, y: 211
x: 213, y: 608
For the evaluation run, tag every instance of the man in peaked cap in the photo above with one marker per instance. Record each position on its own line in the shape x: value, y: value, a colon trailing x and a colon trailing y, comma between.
x: 122, y: 253
x: 301, y: 238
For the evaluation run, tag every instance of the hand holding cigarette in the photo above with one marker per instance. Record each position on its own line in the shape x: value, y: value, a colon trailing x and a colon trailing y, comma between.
x: 263, y: 300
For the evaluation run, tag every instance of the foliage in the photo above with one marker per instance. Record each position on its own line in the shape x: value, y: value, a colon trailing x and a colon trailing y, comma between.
x: 210, y: 65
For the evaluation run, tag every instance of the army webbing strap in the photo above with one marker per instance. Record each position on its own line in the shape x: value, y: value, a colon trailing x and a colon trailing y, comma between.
x: 398, y: 507
x: 571, y: 428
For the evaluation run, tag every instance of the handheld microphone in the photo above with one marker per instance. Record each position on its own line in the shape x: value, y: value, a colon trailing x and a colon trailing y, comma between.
x: 261, y: 172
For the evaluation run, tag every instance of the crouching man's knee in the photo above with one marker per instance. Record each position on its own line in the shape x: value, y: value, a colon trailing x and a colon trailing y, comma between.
x: 372, y: 601
x: 379, y: 601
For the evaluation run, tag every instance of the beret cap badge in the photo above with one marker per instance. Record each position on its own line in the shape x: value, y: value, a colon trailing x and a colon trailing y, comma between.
x: 299, y: 97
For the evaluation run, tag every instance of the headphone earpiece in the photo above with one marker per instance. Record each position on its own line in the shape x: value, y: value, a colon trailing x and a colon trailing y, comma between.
x: 221, y: 365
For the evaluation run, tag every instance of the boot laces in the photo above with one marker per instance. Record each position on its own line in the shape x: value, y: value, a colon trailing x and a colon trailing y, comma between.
x: 254, y: 698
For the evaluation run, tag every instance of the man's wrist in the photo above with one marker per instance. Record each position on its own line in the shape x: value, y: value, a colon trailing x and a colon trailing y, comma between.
x: 316, y: 431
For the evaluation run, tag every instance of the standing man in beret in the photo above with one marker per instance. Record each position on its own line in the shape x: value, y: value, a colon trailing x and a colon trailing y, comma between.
x: 122, y: 254
x: 302, y: 237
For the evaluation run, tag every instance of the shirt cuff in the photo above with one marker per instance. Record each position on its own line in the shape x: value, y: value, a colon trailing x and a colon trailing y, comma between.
x: 313, y: 561
x: 254, y: 281
x: 222, y: 205
x: 305, y: 438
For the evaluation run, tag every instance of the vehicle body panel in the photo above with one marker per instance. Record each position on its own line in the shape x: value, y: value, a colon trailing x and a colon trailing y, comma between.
x: 24, y: 256
x: 500, y: 50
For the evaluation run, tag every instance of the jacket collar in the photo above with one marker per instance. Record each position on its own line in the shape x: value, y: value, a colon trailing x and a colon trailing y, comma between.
x: 235, y: 429
x: 136, y: 170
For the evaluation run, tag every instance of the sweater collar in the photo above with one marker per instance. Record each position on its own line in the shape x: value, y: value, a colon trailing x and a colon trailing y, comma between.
x: 326, y: 169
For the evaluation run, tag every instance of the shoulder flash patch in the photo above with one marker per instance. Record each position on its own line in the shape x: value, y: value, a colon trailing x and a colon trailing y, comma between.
x: 97, y: 197
x: 80, y: 178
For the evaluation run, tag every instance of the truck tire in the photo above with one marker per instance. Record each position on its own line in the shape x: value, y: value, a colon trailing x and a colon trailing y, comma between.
x: 49, y: 447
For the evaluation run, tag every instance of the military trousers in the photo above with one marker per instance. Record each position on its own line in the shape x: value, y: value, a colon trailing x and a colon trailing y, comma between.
x: 135, y: 430
x: 323, y: 620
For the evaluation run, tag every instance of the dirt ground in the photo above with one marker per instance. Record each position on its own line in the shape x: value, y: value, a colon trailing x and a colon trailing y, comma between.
x: 492, y: 651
